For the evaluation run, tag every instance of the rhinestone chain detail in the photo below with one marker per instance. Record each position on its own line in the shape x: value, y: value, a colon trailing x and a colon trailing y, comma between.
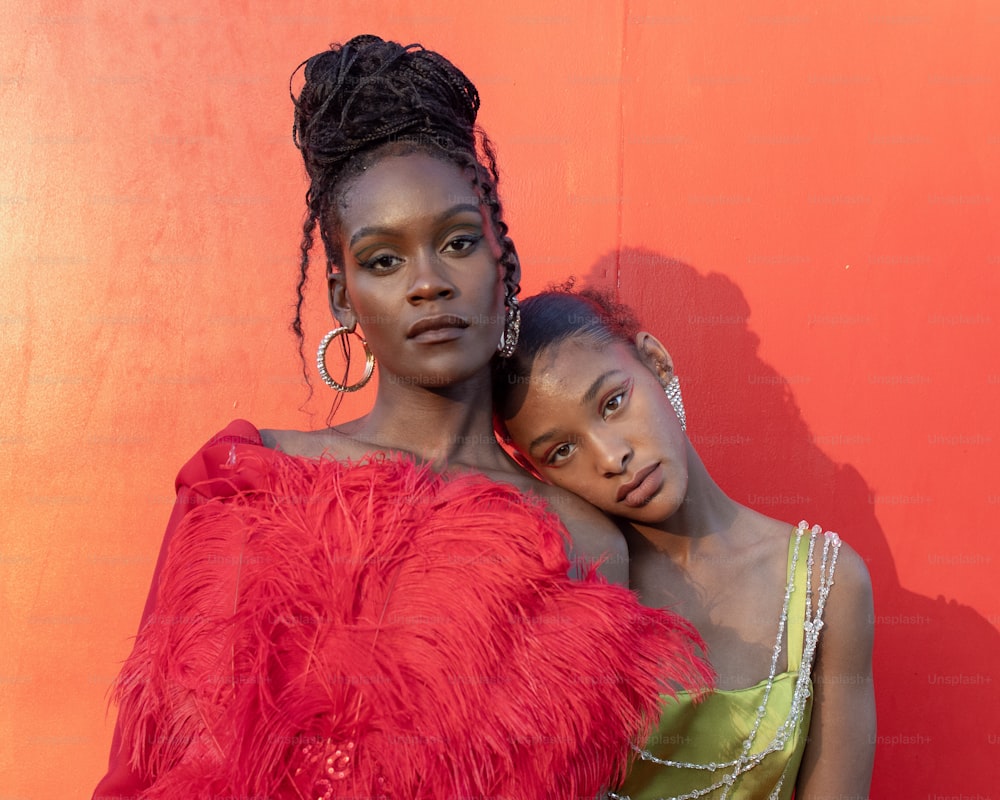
x: 746, y: 761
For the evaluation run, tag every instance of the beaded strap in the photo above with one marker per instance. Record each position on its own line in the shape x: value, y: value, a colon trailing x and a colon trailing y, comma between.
x: 747, y: 760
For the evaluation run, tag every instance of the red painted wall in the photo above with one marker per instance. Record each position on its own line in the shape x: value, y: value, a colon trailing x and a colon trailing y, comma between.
x: 803, y: 204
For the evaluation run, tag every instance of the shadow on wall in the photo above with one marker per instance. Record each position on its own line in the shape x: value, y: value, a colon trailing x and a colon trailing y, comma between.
x: 935, y: 738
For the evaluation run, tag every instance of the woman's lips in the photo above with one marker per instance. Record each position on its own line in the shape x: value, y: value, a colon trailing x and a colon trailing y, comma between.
x: 441, y: 328
x: 640, y: 490
x: 438, y: 335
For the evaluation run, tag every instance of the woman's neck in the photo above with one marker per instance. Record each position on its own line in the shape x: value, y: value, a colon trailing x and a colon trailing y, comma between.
x: 449, y: 425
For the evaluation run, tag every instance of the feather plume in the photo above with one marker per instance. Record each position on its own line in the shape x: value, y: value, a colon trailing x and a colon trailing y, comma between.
x: 331, y: 630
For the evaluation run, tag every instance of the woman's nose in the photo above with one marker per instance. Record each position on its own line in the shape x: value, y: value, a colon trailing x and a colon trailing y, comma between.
x: 429, y: 280
x: 613, y: 454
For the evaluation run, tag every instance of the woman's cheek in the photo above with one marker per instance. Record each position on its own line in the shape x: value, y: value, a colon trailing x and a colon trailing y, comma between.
x: 573, y: 482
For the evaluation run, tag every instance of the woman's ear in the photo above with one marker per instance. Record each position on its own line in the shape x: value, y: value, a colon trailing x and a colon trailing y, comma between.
x: 340, y: 303
x: 655, y: 356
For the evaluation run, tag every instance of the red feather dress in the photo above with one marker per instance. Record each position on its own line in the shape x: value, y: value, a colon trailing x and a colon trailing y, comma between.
x: 318, y: 629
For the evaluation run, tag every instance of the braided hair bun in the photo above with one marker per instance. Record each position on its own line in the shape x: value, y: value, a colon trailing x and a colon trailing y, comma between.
x: 369, y: 92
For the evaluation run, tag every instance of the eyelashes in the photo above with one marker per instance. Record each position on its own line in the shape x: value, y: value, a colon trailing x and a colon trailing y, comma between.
x: 558, y: 454
x: 617, y: 399
x: 467, y: 242
x: 380, y: 263
x: 457, y: 246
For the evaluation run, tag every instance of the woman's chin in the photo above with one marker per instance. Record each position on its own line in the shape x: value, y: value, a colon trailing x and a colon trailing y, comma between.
x: 657, y: 509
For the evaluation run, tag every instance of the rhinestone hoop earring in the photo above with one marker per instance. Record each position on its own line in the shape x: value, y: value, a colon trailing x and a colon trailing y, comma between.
x: 511, y: 328
x: 321, y: 361
x: 673, y: 392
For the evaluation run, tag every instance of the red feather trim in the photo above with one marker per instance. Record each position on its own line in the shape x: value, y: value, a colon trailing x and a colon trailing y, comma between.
x: 376, y: 630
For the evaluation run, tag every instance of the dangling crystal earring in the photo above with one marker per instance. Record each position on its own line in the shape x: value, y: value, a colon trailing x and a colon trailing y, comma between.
x: 673, y: 392
x: 511, y: 328
x: 321, y: 361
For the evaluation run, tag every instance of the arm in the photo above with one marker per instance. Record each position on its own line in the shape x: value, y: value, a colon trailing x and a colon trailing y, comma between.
x: 837, y: 764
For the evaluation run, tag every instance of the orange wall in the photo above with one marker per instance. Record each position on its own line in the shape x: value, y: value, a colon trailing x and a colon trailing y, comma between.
x: 803, y: 204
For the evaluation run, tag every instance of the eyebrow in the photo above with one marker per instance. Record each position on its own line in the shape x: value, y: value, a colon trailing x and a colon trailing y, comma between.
x: 595, y: 387
x: 383, y: 230
x: 588, y: 397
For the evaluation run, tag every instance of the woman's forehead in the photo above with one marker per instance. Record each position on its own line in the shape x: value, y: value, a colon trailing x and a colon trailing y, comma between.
x: 566, y: 366
x: 416, y: 167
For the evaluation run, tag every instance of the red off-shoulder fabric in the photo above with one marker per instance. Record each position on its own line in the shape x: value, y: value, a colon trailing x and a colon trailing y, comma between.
x: 330, y: 630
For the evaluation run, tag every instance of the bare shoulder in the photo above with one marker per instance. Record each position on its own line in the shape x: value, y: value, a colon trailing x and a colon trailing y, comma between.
x: 852, y: 570
x: 307, y: 444
x: 844, y: 651
x: 274, y: 439
x: 850, y: 603
x: 766, y: 541
x: 595, y: 538
x: 291, y: 442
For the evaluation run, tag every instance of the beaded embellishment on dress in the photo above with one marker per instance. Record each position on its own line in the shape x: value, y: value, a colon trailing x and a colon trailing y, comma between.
x: 726, y: 774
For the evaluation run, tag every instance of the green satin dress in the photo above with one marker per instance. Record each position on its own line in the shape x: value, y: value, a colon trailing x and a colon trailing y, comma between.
x: 706, y: 742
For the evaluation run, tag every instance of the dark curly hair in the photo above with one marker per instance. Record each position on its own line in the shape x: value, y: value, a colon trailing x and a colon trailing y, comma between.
x: 368, y: 98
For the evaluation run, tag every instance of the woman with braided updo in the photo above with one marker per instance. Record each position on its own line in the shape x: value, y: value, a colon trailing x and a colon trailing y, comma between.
x: 383, y: 608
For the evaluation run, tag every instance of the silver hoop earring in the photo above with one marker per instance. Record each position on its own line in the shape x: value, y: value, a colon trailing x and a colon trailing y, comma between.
x: 673, y: 392
x: 321, y: 361
x: 511, y: 328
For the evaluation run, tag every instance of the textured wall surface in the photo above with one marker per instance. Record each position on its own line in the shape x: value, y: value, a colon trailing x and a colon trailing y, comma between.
x: 802, y: 204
